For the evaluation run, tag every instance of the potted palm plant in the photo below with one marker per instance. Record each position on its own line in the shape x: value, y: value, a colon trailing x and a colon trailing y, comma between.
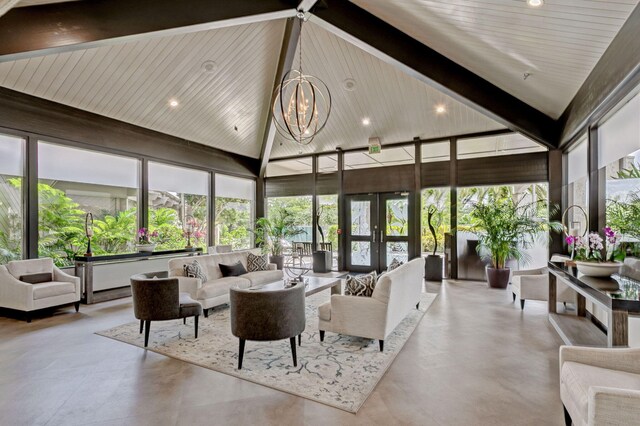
x: 272, y: 233
x: 506, y: 226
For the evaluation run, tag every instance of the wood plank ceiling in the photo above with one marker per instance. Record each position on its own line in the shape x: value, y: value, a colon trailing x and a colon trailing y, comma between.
x: 134, y: 82
x: 398, y: 106
x: 501, y: 40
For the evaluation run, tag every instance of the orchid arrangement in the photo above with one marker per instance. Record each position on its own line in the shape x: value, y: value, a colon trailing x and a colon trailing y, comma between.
x: 590, y: 248
x: 144, y: 236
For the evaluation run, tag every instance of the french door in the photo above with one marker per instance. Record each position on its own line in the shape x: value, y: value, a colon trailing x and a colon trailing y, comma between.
x: 377, y: 231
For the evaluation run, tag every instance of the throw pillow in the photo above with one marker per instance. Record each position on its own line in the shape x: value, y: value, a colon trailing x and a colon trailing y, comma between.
x: 361, y: 285
x: 194, y: 270
x: 234, y: 270
x: 256, y: 263
x: 40, y: 277
x: 395, y: 263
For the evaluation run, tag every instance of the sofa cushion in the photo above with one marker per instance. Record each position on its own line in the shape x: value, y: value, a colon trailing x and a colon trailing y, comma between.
x: 234, y: 270
x: 194, y: 270
x: 52, y: 289
x: 256, y: 263
x: 361, y: 285
x: 576, y: 379
x: 263, y: 277
x: 17, y: 268
x: 324, y: 311
x: 188, y: 306
x: 39, y: 277
x: 220, y: 287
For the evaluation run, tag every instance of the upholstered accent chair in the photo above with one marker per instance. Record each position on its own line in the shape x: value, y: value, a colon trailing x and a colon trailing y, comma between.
x: 600, y: 386
x: 158, y: 298
x: 267, y: 315
x: 533, y: 284
x: 51, y: 287
x: 395, y: 295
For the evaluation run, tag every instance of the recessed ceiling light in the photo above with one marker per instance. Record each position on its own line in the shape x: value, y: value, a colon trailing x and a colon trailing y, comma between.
x: 441, y: 109
x: 366, y: 121
x: 209, y: 67
x: 173, y: 103
x: 349, y: 84
x: 535, y: 3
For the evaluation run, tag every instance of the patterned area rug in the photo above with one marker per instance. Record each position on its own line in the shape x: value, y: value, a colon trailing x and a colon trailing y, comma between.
x: 341, y: 371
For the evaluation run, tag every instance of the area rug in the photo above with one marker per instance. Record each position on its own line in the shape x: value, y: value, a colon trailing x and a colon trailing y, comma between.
x: 341, y: 371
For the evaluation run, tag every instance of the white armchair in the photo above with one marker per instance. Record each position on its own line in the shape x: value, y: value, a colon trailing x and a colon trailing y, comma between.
x: 600, y: 386
x: 375, y: 317
x: 533, y: 284
x: 20, y: 295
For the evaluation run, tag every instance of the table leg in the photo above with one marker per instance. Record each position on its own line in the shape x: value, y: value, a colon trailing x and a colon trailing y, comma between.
x: 581, y: 307
x: 552, y: 293
x: 618, y: 332
x: 88, y: 279
x: 337, y: 289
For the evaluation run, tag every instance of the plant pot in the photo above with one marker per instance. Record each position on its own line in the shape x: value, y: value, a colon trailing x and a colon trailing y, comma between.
x: 146, y: 248
x: 498, y: 277
x: 598, y: 269
x: 322, y: 261
x: 278, y: 260
x: 433, y: 267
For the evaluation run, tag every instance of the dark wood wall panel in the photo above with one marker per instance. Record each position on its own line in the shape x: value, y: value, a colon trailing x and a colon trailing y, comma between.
x: 501, y: 170
x: 289, y: 186
x: 435, y: 174
x: 327, y: 184
x: 26, y: 113
x: 380, y: 179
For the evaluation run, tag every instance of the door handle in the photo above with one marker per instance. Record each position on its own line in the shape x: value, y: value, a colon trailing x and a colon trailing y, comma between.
x: 374, y: 236
x: 381, y: 236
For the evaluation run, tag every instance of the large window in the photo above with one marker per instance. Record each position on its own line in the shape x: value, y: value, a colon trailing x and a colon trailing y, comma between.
x: 299, y: 208
x: 436, y: 203
x: 535, y: 256
x: 11, y: 207
x: 234, y: 211
x: 178, y: 200
x: 328, y: 222
x: 619, y: 154
x: 74, y: 182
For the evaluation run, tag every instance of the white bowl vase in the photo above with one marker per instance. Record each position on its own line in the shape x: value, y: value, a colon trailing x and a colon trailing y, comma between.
x: 145, y: 248
x: 598, y: 269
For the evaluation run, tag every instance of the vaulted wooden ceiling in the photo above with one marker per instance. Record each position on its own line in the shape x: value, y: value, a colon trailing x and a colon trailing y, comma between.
x: 133, y: 78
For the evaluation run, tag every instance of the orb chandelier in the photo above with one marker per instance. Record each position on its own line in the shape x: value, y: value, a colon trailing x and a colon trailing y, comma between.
x: 302, y: 103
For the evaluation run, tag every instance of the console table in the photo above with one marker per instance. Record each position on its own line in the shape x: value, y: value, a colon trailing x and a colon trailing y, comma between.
x: 618, y: 296
x: 84, y: 268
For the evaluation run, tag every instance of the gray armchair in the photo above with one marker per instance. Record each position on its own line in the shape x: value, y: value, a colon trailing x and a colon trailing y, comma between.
x: 267, y: 315
x: 157, y: 298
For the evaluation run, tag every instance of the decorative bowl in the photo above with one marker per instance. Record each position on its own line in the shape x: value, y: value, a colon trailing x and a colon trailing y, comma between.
x: 598, y: 269
x: 145, y: 248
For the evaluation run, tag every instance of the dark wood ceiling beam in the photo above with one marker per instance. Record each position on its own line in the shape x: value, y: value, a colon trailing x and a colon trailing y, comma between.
x: 285, y: 62
x: 52, y: 28
x: 615, y: 75
x: 391, y: 45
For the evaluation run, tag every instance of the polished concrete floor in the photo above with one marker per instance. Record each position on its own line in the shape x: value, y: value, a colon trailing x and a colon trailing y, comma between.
x: 475, y: 359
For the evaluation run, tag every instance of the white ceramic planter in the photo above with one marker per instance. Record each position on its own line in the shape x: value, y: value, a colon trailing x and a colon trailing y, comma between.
x: 598, y: 269
x: 145, y: 248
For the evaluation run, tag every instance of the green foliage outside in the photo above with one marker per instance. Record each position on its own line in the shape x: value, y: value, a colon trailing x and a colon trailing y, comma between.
x: 623, y: 215
x: 233, y: 222
x: 440, y: 199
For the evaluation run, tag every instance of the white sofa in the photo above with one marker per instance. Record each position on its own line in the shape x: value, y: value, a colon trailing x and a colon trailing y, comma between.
x: 395, y: 294
x: 533, y: 284
x: 22, y: 296
x: 600, y: 386
x: 215, y: 291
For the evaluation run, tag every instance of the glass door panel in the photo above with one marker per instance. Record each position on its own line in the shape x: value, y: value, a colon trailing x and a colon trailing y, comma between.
x: 394, y: 221
x: 362, y: 233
